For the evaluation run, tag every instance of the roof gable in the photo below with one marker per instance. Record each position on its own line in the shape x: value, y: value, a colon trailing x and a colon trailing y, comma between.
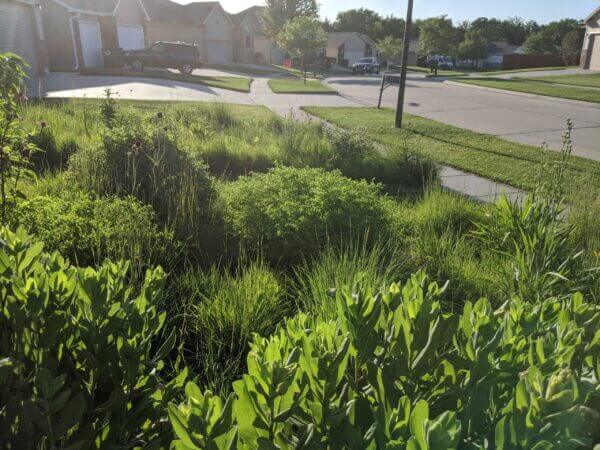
x: 593, y: 15
x: 167, y: 11
x: 97, y: 7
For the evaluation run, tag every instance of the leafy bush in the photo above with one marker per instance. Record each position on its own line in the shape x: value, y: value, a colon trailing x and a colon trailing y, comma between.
x: 393, y: 371
x: 139, y: 156
x: 87, y: 230
x: 291, y: 212
x: 78, y: 364
x: 220, y: 313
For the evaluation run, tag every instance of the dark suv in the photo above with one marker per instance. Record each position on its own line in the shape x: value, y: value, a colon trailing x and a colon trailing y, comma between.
x: 168, y: 55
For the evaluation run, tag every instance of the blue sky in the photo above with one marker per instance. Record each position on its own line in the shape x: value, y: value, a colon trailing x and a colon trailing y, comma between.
x: 541, y: 10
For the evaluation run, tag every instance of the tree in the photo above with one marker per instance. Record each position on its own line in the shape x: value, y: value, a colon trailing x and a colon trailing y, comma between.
x: 550, y: 37
x: 475, y: 46
x: 302, y: 36
x: 363, y: 21
x: 277, y: 13
x: 437, y: 36
x: 390, y: 48
x: 570, y: 48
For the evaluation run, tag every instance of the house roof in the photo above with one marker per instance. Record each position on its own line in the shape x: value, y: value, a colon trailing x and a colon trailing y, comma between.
x: 239, y: 17
x: 593, y: 15
x: 167, y: 11
x: 502, y: 48
x: 99, y: 7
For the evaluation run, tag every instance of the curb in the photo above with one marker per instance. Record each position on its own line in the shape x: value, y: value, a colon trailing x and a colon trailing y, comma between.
x: 526, y: 95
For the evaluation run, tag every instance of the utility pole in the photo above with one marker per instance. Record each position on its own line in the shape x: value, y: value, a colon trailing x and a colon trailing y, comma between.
x: 406, y: 45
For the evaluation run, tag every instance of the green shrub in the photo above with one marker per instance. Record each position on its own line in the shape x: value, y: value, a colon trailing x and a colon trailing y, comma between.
x: 393, y: 371
x: 139, y: 156
x: 218, y: 313
x: 88, y: 230
x: 293, y: 212
x: 78, y: 363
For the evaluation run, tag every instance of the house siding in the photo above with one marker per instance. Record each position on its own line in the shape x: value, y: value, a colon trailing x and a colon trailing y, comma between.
x: 219, y: 37
x: 57, y: 27
x: 129, y: 13
x: 245, y: 28
x: 591, y: 43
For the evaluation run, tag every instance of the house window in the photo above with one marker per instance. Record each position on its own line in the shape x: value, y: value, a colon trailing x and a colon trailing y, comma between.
x: 248, y: 41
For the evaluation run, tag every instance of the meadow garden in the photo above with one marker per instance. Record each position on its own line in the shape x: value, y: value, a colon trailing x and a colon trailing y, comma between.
x: 209, y: 276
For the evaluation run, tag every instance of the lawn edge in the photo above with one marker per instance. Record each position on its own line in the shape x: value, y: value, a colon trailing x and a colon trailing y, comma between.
x: 565, y: 100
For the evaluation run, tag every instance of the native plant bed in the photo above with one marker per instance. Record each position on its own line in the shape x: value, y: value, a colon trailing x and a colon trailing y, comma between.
x: 232, y: 83
x: 151, y: 299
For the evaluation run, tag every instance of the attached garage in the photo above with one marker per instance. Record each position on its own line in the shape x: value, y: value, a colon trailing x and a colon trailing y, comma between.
x: 590, y: 56
x: 131, y: 37
x: 594, y: 53
x: 219, y: 52
x: 19, y: 35
x: 91, y: 44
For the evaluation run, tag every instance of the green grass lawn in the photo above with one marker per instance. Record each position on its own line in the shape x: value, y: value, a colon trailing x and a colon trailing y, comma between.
x: 242, y: 69
x: 537, y: 87
x: 298, y: 86
x: 239, y: 84
x: 539, y: 69
x: 485, y: 155
x: 588, y: 80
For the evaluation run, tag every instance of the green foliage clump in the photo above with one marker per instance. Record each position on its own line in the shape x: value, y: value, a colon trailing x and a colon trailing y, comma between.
x: 88, y: 230
x: 139, y: 156
x: 292, y: 212
x: 220, y: 311
x: 79, y: 367
x: 392, y: 370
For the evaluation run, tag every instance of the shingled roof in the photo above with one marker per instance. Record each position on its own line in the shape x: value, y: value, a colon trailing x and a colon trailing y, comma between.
x: 239, y: 17
x: 95, y: 6
x: 167, y: 11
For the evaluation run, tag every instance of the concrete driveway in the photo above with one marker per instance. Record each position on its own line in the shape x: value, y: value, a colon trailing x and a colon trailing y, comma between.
x: 511, y: 116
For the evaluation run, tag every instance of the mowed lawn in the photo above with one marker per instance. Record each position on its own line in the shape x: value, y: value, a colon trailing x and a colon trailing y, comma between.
x: 587, y: 80
x: 299, y: 86
x: 485, y: 155
x: 233, y: 83
x: 530, y: 86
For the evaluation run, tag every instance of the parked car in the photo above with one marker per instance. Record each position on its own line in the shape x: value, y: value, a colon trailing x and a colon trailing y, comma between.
x: 167, y: 55
x: 366, y: 65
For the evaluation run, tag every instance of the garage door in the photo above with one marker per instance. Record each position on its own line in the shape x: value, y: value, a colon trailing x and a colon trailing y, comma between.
x: 91, y: 44
x: 131, y: 37
x: 219, y: 52
x: 17, y: 35
x: 595, y: 56
x: 353, y: 56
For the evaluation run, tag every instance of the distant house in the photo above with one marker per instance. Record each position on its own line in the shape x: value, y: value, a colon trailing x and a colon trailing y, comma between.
x: 496, y: 53
x: 348, y: 47
x: 21, y: 33
x: 590, y: 56
x: 250, y: 43
x: 79, y: 30
x: 206, y: 24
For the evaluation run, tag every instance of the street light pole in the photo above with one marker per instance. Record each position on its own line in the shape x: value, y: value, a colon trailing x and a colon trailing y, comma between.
x: 406, y: 45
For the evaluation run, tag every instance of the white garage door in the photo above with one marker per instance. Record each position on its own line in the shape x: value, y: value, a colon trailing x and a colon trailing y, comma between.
x: 131, y: 37
x: 17, y: 35
x: 353, y: 56
x: 91, y: 44
x: 595, y: 56
x: 219, y: 52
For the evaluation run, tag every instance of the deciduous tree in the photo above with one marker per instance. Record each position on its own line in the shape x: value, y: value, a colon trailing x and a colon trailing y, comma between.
x: 279, y: 12
x: 302, y: 36
x: 475, y: 46
x: 390, y: 48
x: 437, y: 36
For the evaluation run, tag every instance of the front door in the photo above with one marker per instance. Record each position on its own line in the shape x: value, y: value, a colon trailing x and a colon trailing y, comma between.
x: 91, y: 44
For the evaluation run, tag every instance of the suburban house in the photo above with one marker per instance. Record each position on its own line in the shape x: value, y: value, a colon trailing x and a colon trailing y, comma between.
x: 81, y: 30
x: 21, y: 32
x: 347, y: 48
x: 250, y: 43
x: 590, y: 56
x: 205, y: 24
x: 496, y: 53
